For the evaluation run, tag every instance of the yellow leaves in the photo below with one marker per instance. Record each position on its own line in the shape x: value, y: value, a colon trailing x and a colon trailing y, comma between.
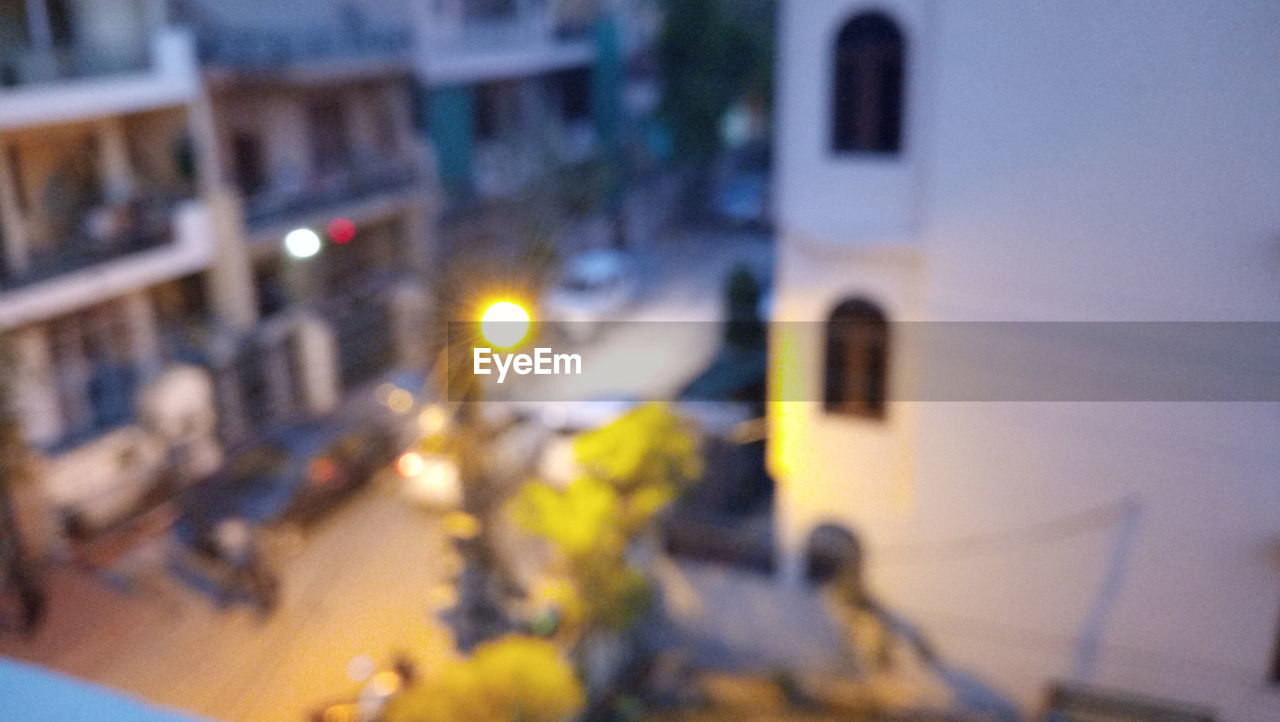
x: 645, y: 503
x: 512, y: 679
x: 561, y: 595
x: 579, y: 520
x: 651, y: 444
x: 632, y: 469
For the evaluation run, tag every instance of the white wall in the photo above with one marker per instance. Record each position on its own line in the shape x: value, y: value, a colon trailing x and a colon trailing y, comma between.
x: 1077, y: 161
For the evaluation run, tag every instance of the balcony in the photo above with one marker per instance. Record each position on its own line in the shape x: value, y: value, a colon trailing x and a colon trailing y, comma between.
x: 31, y: 66
x: 109, y: 232
x: 324, y: 194
x: 254, y: 49
x: 320, y: 55
x: 462, y: 50
x: 134, y: 246
x: 70, y: 82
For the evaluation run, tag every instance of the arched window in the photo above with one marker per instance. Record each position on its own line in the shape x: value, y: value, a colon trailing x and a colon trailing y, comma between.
x: 857, y: 365
x: 867, y: 97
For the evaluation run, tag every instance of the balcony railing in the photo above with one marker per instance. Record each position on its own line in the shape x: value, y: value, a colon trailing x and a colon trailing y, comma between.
x: 28, y: 65
x: 358, y: 184
x: 254, y: 49
x: 106, y: 233
x: 503, y: 34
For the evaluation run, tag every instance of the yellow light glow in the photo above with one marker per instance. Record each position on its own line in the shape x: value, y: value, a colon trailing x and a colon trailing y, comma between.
x: 385, y: 683
x: 504, y: 324
x: 433, y: 420
x: 410, y: 464
x: 400, y: 401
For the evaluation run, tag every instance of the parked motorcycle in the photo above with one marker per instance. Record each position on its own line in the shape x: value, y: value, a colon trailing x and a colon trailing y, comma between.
x: 224, y: 560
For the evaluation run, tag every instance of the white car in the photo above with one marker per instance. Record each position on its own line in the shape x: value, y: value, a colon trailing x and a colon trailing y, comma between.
x: 596, y: 286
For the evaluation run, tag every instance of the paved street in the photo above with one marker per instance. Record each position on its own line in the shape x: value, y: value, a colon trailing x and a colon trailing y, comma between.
x: 359, y: 584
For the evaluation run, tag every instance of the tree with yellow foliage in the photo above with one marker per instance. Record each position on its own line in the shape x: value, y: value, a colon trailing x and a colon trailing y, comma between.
x: 631, y: 469
x: 509, y: 679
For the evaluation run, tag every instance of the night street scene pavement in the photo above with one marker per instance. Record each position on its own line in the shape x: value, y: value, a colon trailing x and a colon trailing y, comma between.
x: 639, y: 360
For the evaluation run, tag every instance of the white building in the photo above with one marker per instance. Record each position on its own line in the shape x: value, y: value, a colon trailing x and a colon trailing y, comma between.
x: 104, y: 239
x: 942, y: 160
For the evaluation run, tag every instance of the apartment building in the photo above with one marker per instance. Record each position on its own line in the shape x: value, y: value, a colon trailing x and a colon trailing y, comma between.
x: 153, y: 159
x: 519, y: 88
x: 966, y: 162
x: 104, y: 240
x: 312, y: 129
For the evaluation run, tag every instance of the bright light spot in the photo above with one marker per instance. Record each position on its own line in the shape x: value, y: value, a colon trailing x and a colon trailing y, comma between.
x: 504, y: 324
x: 361, y: 668
x: 342, y: 231
x: 433, y: 420
x: 410, y: 464
x: 322, y: 471
x: 436, y: 484
x: 400, y: 401
x: 385, y: 683
x: 302, y: 243
x: 558, y: 464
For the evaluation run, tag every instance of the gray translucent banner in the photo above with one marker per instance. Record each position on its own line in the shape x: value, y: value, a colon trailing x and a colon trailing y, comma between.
x: 925, y: 361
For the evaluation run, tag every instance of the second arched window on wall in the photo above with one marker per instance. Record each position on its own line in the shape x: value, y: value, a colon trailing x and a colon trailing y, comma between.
x: 869, y: 83
x: 856, y: 379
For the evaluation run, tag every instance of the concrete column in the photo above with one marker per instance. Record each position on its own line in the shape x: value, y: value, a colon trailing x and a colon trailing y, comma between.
x: 144, y: 336
x: 229, y: 282
x: 317, y: 364
x: 13, y: 229
x: 38, y: 28
x: 36, y: 391
x: 113, y: 162
x: 409, y: 309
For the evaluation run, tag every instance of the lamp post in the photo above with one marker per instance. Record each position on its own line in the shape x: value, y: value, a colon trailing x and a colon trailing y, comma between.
x: 486, y: 580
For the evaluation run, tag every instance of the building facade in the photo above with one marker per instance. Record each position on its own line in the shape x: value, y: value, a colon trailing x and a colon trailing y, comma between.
x: 993, y: 162
x: 153, y: 159
x: 516, y: 89
x: 313, y: 132
x: 106, y: 239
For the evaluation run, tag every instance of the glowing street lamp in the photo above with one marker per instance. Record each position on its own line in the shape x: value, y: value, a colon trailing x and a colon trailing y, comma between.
x: 504, y: 324
x: 302, y: 243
